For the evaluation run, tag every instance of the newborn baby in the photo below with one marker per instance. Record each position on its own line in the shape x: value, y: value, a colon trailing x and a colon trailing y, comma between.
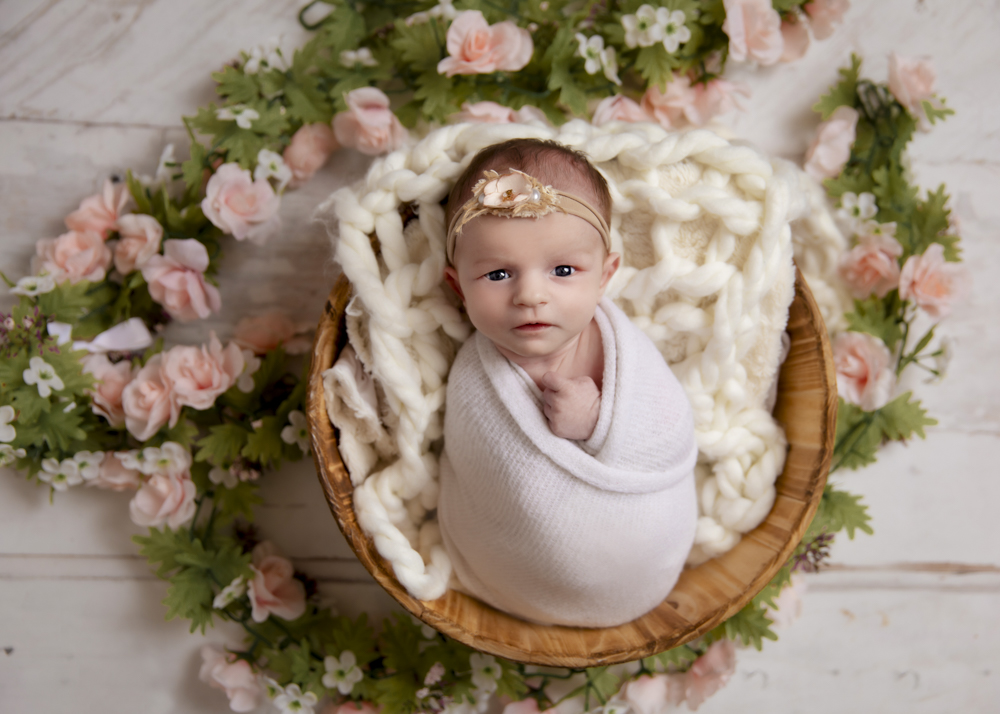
x: 567, y: 489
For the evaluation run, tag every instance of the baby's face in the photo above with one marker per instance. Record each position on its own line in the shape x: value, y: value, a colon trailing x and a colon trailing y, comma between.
x: 531, y: 284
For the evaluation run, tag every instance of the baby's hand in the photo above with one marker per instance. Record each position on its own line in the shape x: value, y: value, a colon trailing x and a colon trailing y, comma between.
x: 571, y: 405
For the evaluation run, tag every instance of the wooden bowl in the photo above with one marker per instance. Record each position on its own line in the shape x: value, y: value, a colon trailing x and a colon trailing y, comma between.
x: 703, y: 597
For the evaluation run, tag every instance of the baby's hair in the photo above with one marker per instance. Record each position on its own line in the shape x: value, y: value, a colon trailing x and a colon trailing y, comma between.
x: 551, y: 163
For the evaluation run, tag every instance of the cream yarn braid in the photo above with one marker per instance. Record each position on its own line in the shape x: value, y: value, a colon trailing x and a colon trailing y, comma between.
x: 703, y: 228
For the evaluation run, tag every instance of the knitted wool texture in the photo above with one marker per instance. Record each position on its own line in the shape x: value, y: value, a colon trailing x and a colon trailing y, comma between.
x: 703, y: 227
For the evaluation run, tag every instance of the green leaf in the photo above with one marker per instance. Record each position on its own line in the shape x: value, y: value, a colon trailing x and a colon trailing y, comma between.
x: 237, y: 87
x: 163, y: 547
x: 930, y: 221
x: 858, y: 437
x: 306, y: 103
x: 603, y: 683
x: 934, y: 113
x: 139, y: 194
x: 901, y: 418
x: 237, y: 501
x: 190, y: 596
x: 183, y: 433
x: 61, y: 428
x: 194, y: 168
x: 876, y: 316
x: 676, y: 659
x: 264, y: 444
x: 844, y: 93
x: 396, y: 694
x: 839, y: 510
x: 223, y: 444
x: 656, y: 66
x: 434, y: 90
x: 751, y: 626
x: 421, y: 46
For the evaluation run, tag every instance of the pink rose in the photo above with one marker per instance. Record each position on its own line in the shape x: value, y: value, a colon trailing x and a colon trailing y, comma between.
x: 114, y: 476
x: 668, y: 107
x: 198, y: 375
x: 241, y: 206
x: 274, y: 589
x: 710, y: 672
x: 685, y: 104
x: 652, y: 695
x: 823, y: 14
x: 234, y: 676
x: 262, y: 333
x: 176, y: 280
x: 74, y: 256
x: 932, y: 283
x: 100, y: 212
x: 164, y: 499
x: 369, y: 125
x: 754, y: 30
x: 864, y: 376
x: 309, y: 149
x: 872, y: 266
x: 111, y: 380
x: 795, y: 38
x: 493, y: 113
x: 148, y: 401
x: 619, y: 108
x: 474, y: 47
x: 911, y: 81
x: 831, y: 148
x: 139, y: 240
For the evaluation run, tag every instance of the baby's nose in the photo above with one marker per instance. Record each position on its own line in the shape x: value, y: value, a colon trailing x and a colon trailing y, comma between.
x: 531, y: 291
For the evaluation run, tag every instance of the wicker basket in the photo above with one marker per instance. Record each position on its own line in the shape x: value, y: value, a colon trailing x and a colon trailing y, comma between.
x: 703, y: 597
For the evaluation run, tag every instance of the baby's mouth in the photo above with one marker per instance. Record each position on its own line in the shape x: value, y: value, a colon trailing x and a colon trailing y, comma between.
x: 532, y: 326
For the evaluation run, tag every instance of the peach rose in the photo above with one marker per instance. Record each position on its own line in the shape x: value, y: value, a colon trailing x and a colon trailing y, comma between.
x: 74, y: 256
x: 164, y: 499
x: 911, y: 81
x: 262, y: 333
x: 113, y: 475
x: 111, y: 380
x: 831, y: 148
x: 931, y: 282
x: 148, y: 401
x: 198, y: 375
x: 309, y: 149
x: 475, y: 47
x: 139, y: 240
x: 274, y: 589
x: 619, y: 108
x: 754, y: 30
x: 709, y: 673
x: 176, y: 280
x: 100, y: 212
x: 352, y: 708
x: 492, y: 113
x: 684, y: 104
x: 864, y: 376
x: 652, y: 695
x: 872, y: 266
x: 369, y: 125
x: 823, y: 14
x: 237, y: 204
x: 235, y: 677
x: 795, y: 38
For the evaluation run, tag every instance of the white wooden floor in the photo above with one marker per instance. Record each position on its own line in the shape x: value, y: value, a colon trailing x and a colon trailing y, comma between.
x: 905, y: 621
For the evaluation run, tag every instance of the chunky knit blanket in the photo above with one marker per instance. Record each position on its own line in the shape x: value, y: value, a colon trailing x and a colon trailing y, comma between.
x: 591, y: 533
x: 703, y: 226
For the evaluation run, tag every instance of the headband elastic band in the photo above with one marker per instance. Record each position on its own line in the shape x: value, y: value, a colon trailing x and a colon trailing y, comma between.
x: 519, y: 195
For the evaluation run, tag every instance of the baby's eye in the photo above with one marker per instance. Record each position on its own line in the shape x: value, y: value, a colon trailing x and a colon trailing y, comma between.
x: 564, y: 271
x: 497, y: 275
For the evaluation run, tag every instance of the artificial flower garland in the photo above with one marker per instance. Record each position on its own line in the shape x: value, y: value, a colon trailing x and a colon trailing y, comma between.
x: 88, y: 397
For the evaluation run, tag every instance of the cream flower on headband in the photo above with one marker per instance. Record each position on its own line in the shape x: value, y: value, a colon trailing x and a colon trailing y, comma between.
x: 508, y: 190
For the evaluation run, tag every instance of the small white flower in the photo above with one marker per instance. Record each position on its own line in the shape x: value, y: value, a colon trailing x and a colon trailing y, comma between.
x: 89, y: 463
x: 675, y: 32
x: 8, y: 453
x: 855, y: 209
x: 271, y: 687
x: 234, y: 590
x: 42, y: 374
x: 244, y: 474
x: 644, y: 28
x: 291, y: 700
x: 251, y: 363
x: 485, y: 671
x: 297, y: 432
x: 225, y: 477
x: 444, y: 9
x: 270, y: 164
x: 9, y: 323
x: 60, y: 474
x: 434, y: 674
x: 243, y: 115
x: 362, y: 56
x: 590, y: 49
x: 610, y: 64
x: 615, y: 706
x: 267, y: 56
x: 7, y: 414
x: 342, y: 673
x: 34, y: 285
x: 165, y: 173
x: 131, y: 459
x: 170, y: 459
x: 69, y: 407
x: 62, y: 331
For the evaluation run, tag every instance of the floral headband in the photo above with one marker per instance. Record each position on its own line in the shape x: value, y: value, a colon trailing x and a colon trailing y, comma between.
x: 518, y: 195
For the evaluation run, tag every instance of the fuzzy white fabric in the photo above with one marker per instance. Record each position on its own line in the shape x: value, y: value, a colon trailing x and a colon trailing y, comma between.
x: 703, y: 227
x: 582, y: 533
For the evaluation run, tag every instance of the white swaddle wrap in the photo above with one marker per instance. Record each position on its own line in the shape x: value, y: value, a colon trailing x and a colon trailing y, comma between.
x: 591, y: 533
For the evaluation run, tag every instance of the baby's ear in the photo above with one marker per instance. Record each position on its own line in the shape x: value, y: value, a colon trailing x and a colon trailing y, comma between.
x: 611, y: 264
x: 451, y: 277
